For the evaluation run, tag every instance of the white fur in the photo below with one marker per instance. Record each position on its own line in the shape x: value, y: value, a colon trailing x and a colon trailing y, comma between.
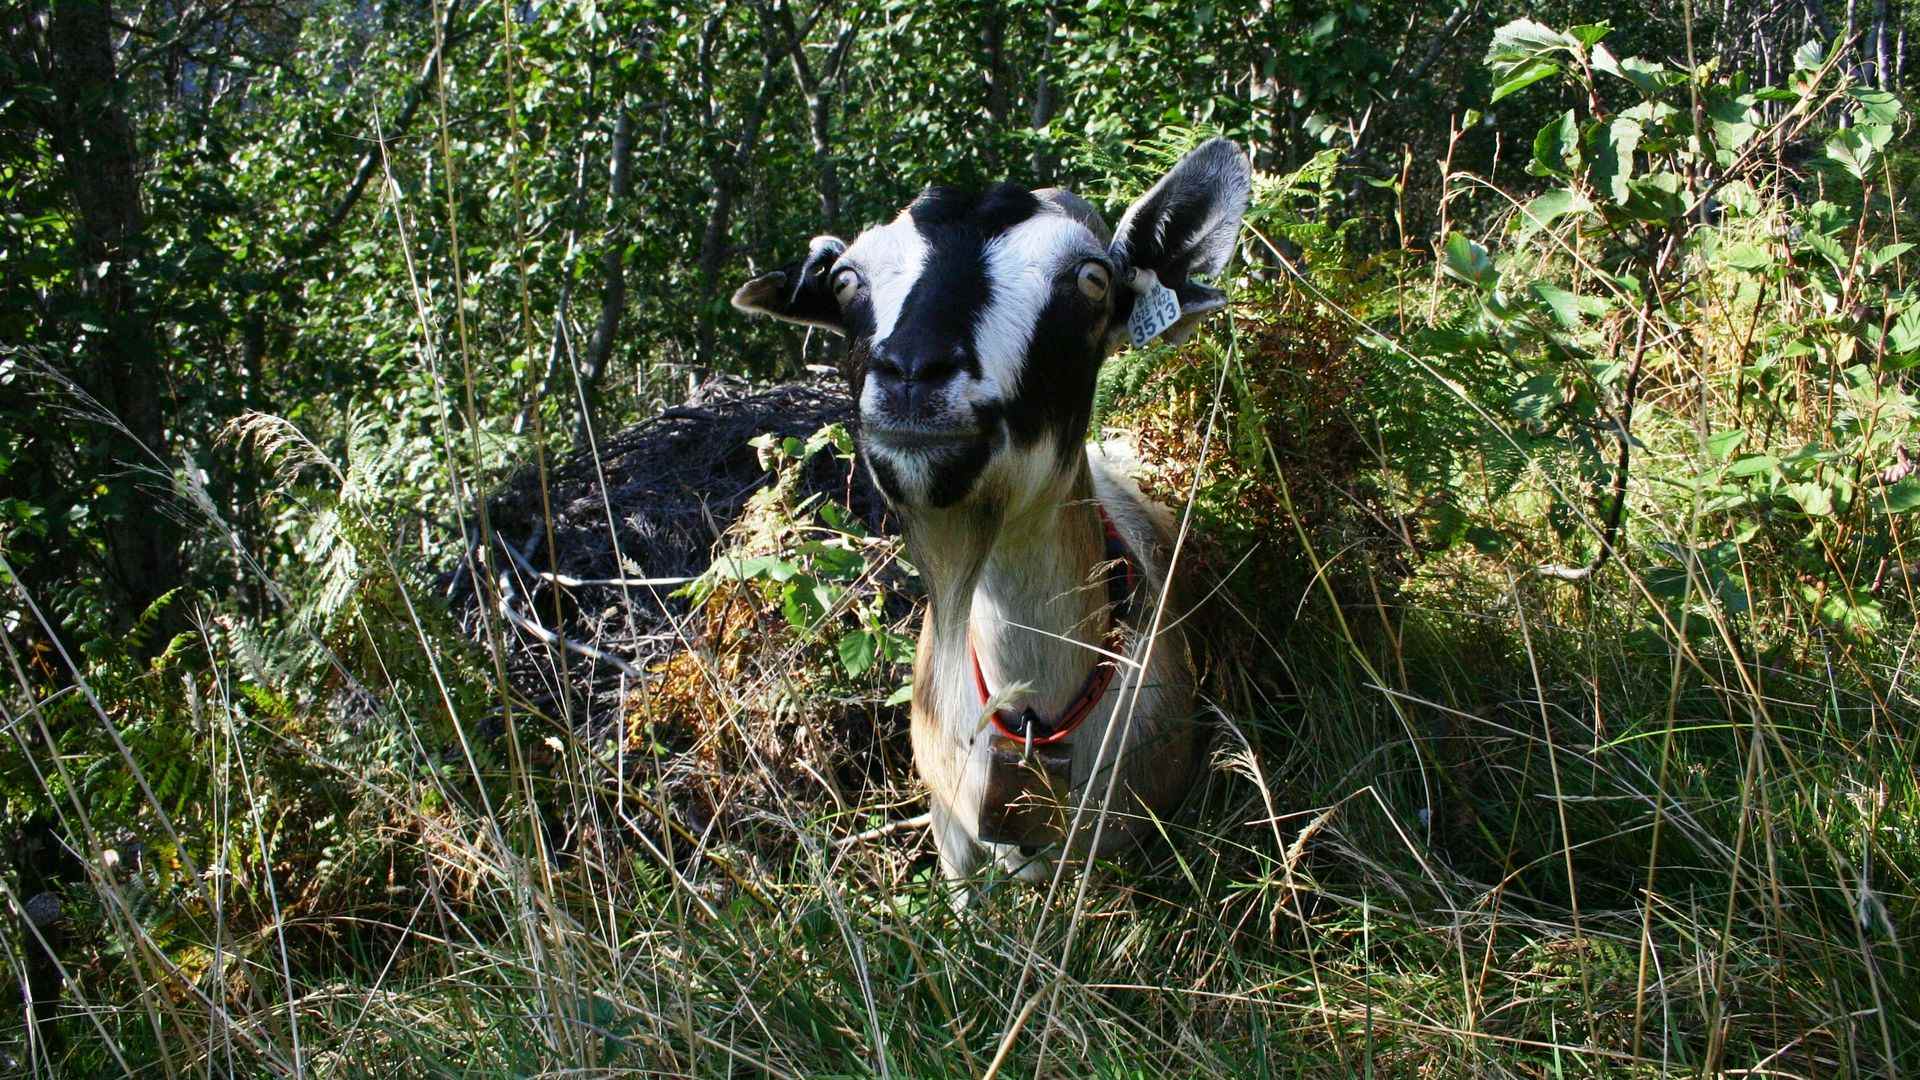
x: 1022, y: 264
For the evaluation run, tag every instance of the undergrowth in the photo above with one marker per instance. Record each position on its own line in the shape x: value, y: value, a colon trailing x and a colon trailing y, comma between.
x: 1561, y: 616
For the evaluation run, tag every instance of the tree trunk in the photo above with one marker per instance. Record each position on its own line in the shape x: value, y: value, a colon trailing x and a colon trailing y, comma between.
x: 1045, y: 163
x: 728, y: 170
x: 613, y: 288
x: 993, y: 42
x: 1882, y: 61
x: 819, y: 87
x: 125, y: 369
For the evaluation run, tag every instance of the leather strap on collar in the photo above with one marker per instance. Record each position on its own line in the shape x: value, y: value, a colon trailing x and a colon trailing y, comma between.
x: 1029, y: 724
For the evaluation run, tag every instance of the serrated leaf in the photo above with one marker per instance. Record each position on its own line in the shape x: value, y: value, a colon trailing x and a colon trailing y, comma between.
x: 1722, y: 444
x: 1879, y: 106
x: 1564, y: 305
x: 1556, y: 147
x: 1589, y: 34
x: 1740, y: 198
x: 1877, y: 259
x: 1602, y: 59
x: 1815, y: 499
x: 1750, y: 257
x: 1536, y: 399
x: 1852, y: 151
x: 1732, y: 120
x: 1754, y: 465
x: 1656, y: 197
x: 1545, y: 209
x: 1904, y: 497
x: 1647, y: 76
x: 1904, y: 335
x: 1827, y: 248
x: 1521, y: 42
x: 856, y: 652
x: 1524, y: 77
x: 1613, y: 158
x: 1469, y: 262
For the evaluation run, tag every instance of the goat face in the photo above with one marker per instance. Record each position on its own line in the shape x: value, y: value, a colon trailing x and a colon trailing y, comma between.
x: 977, y: 322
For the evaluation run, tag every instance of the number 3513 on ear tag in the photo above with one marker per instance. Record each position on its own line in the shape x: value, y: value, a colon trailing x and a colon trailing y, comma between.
x: 1154, y: 309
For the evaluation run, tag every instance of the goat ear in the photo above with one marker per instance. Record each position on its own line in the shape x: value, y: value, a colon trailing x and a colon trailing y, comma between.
x: 799, y: 292
x: 1185, y: 227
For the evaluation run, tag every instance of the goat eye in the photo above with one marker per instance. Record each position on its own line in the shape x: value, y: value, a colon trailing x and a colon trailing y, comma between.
x: 846, y: 283
x: 1093, y: 281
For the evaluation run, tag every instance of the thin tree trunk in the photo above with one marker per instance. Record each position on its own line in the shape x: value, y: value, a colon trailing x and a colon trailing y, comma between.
x: 126, y: 369
x: 613, y: 288
x: 728, y: 170
x: 1882, y: 65
x: 1045, y: 163
x: 993, y: 43
x: 819, y: 88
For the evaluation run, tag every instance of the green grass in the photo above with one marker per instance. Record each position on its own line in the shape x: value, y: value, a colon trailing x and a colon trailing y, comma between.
x: 1460, y: 819
x: 1426, y: 847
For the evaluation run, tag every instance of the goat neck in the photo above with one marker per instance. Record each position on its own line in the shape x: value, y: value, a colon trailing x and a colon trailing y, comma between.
x: 1021, y: 587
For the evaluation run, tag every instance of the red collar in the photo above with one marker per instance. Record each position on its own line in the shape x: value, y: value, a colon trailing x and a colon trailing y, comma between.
x: 1018, y: 726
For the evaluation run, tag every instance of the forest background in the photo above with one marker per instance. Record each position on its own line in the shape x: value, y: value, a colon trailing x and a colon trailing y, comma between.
x: 1556, y: 466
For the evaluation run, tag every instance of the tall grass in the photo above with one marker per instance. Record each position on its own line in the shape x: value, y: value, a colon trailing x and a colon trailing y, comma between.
x: 1460, y: 818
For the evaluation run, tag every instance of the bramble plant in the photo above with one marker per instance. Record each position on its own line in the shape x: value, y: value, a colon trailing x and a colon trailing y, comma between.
x: 1673, y: 228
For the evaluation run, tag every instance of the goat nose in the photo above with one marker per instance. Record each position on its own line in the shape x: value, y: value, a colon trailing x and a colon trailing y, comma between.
x: 908, y: 375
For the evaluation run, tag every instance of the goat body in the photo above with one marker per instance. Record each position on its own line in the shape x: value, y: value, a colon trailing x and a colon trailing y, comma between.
x: 976, y: 326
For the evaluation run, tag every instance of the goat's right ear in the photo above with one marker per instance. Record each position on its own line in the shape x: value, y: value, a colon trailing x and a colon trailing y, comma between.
x: 800, y: 292
x: 1183, y: 229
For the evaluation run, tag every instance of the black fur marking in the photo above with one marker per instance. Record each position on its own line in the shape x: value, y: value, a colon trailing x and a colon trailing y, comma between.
x: 1055, y: 393
x: 987, y: 213
x: 886, y: 479
x: 801, y: 291
x: 957, y: 471
x: 945, y: 304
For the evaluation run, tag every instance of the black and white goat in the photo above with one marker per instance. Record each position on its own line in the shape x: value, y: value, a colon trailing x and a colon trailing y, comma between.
x: 976, y: 326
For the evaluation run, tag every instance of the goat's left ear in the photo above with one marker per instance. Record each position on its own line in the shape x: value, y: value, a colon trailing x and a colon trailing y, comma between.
x: 1185, y: 227
x: 800, y: 292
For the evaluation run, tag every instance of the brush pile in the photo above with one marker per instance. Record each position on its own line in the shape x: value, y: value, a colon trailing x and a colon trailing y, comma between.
x: 586, y: 617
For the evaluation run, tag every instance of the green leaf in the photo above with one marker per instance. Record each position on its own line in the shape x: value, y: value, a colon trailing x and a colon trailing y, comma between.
x: 1852, y: 151
x: 1879, y: 106
x: 1543, y: 210
x: 1815, y: 499
x: 1556, y: 148
x: 856, y: 651
x: 901, y: 695
x: 1470, y: 263
x: 1589, y: 34
x: 1648, y: 76
x: 1750, y: 257
x: 1904, y: 497
x: 1827, y: 248
x: 1524, y: 77
x: 1613, y: 158
x: 1877, y: 259
x: 834, y: 562
x: 800, y: 602
x: 1722, y: 444
x: 1754, y: 465
x: 1732, y: 120
x: 1740, y: 198
x: 1523, y: 41
x: 1809, y: 57
x: 1537, y: 398
x: 1655, y: 198
x: 1564, y: 305
x: 1904, y: 335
